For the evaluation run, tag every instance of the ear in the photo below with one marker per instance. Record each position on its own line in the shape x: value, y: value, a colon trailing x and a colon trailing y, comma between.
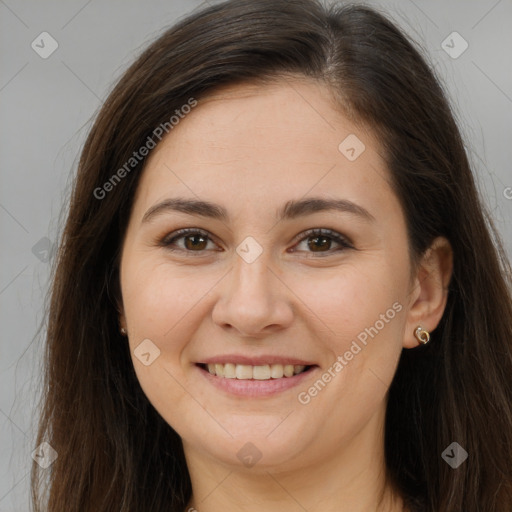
x: 429, y: 290
x: 118, y: 305
x: 120, y: 311
x: 122, y: 319
x: 114, y: 293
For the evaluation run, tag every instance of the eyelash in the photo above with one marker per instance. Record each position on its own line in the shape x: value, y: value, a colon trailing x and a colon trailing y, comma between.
x: 169, y: 240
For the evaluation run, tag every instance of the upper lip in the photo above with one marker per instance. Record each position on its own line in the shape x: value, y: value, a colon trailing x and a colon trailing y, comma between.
x: 255, y: 360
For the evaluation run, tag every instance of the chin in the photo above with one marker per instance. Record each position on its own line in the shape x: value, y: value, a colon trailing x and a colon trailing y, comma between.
x: 261, y: 447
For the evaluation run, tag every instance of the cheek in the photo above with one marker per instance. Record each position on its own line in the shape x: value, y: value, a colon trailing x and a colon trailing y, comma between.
x: 162, y: 304
x: 345, y: 301
x: 361, y: 322
x: 159, y: 297
x: 356, y: 324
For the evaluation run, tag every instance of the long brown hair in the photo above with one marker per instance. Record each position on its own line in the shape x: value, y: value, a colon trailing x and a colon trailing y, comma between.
x: 115, y: 452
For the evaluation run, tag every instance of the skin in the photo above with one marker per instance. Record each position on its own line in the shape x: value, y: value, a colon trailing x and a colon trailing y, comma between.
x: 252, y: 148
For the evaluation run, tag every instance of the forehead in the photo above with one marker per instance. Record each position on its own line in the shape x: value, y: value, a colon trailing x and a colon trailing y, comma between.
x: 248, y: 142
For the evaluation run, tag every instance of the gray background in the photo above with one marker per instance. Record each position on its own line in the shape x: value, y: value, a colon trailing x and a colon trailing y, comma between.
x: 46, y: 109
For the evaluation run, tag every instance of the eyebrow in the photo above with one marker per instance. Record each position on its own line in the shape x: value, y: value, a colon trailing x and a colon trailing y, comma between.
x: 291, y: 210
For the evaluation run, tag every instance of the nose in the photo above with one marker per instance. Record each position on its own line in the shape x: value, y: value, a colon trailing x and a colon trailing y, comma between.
x: 253, y: 300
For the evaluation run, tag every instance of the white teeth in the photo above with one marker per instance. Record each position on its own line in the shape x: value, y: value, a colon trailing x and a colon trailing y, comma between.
x: 229, y: 371
x: 243, y: 371
x: 288, y: 370
x: 276, y: 371
x: 260, y: 372
x: 219, y: 370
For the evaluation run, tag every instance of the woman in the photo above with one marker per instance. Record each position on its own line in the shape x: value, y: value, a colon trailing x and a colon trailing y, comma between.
x: 203, y: 356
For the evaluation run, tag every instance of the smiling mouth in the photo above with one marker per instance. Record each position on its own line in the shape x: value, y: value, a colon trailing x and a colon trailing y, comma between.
x: 249, y: 372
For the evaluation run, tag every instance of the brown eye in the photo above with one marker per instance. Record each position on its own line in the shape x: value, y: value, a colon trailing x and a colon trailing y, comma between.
x: 317, y: 240
x: 321, y: 240
x: 318, y: 243
x: 194, y: 240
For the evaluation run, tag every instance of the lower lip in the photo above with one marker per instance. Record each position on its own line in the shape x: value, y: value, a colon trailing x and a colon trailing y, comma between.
x: 255, y: 388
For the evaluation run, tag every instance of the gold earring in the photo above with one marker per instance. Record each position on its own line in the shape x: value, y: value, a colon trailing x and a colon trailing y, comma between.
x: 422, y: 335
x: 123, y: 331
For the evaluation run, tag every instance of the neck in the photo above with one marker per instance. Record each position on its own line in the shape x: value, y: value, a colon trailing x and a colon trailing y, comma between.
x: 350, y: 479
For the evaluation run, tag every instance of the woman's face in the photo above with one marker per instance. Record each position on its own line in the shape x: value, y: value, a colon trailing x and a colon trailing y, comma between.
x: 254, y: 294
